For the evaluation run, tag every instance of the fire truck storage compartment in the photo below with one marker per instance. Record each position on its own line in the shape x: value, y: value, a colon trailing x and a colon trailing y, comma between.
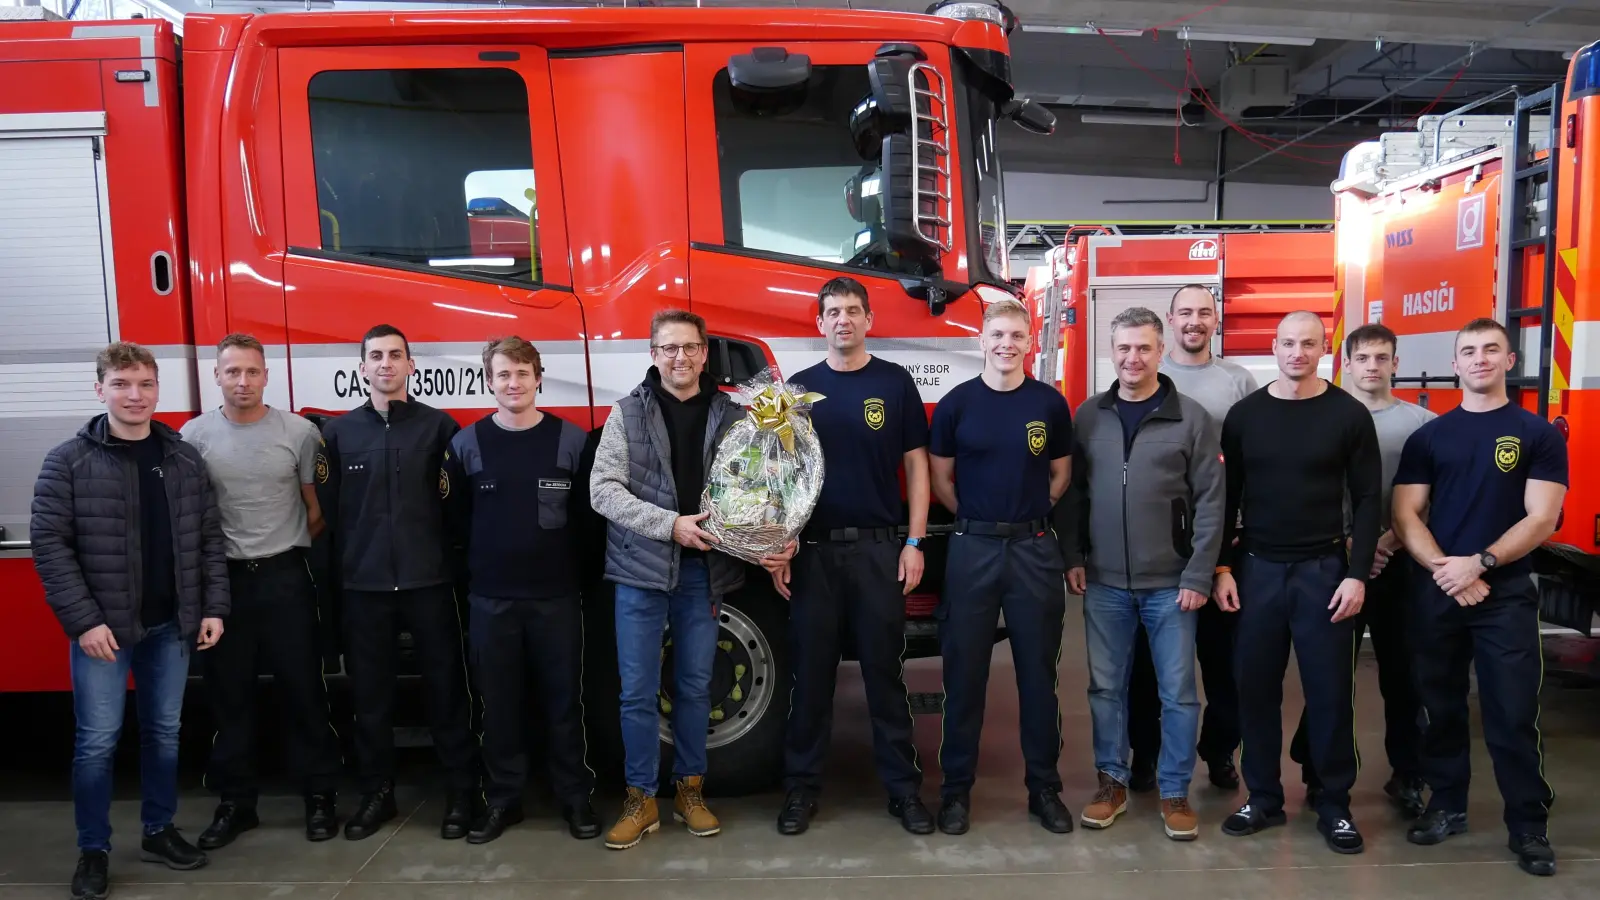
x: 54, y: 296
x: 1108, y: 303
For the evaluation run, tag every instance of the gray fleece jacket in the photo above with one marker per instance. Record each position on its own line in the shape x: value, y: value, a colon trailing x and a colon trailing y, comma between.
x: 1144, y: 516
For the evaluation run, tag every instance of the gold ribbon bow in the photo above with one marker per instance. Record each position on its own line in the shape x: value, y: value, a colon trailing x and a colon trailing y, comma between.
x: 771, y: 409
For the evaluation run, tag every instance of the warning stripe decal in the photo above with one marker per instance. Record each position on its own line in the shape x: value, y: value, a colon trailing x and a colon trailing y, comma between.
x: 1338, y: 333
x: 1561, y: 353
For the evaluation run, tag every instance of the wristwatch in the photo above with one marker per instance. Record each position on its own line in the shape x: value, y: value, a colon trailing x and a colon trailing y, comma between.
x: 1487, y: 560
x: 914, y: 542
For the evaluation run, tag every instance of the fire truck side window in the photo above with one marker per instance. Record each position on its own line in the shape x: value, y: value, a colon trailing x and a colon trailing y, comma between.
x: 787, y: 161
x: 427, y: 167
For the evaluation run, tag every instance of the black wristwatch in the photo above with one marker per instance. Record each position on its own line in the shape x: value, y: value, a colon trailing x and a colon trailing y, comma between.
x: 1487, y: 560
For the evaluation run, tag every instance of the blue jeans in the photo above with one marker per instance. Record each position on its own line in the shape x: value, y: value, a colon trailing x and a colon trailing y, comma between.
x: 1111, y: 617
x: 642, y: 618
x: 160, y: 666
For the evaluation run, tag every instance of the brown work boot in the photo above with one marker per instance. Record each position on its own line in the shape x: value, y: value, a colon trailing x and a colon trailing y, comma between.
x: 1178, y: 818
x: 639, y: 818
x: 1110, y: 801
x: 690, y: 808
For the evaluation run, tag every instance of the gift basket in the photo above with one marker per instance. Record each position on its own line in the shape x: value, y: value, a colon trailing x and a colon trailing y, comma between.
x: 767, y: 472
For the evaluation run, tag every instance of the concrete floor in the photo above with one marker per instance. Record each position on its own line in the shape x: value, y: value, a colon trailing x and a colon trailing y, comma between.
x: 854, y: 849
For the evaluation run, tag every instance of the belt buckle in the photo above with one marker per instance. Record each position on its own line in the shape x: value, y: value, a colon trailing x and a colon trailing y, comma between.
x: 850, y: 534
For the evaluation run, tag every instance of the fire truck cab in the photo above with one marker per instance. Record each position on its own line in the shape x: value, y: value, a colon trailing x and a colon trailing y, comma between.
x: 1472, y: 215
x: 560, y: 174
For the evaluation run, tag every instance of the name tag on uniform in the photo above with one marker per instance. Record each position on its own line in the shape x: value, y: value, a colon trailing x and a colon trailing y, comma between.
x: 555, y: 484
x: 486, y: 486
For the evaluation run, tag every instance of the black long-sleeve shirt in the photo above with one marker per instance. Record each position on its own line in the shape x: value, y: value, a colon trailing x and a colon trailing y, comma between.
x: 1289, y: 464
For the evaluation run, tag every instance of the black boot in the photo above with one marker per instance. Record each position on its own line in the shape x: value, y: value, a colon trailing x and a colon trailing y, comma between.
x: 583, y: 822
x: 1407, y: 795
x: 322, y: 816
x: 376, y: 808
x: 1534, y: 854
x: 1053, y: 814
x: 457, y: 816
x: 955, y: 814
x: 1142, y: 775
x: 91, y: 879
x: 230, y: 820
x: 1223, y: 773
x: 494, y: 823
x: 914, y: 817
x: 799, y: 805
x: 169, y: 848
x: 1435, y: 826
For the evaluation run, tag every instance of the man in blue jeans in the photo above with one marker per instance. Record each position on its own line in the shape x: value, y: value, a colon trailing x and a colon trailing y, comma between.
x: 127, y: 539
x: 649, y: 470
x: 1149, y: 466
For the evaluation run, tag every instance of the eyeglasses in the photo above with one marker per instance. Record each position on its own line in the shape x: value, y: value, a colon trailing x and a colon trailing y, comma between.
x: 671, y: 350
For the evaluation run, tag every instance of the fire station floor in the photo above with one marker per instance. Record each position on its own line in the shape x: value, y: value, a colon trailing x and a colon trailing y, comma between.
x: 853, y: 850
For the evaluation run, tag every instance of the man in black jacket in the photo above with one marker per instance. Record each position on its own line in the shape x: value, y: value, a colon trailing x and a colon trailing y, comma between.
x: 127, y: 540
x: 382, y: 486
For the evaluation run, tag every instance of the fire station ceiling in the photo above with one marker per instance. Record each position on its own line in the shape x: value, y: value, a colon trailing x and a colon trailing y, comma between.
x: 1123, y: 75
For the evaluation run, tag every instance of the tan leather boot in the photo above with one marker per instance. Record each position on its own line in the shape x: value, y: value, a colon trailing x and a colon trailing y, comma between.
x: 690, y: 808
x: 639, y: 818
x: 1179, y: 820
x: 1109, y: 802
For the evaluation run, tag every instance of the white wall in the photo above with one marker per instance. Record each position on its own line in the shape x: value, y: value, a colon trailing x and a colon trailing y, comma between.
x: 1081, y: 198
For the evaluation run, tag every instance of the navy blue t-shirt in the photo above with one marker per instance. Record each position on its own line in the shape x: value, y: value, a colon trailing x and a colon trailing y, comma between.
x: 1134, y: 412
x: 870, y: 418
x: 1477, y: 466
x: 1002, y: 442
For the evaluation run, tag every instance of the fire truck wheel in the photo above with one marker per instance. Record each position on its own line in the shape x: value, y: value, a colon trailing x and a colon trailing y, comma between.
x: 749, y: 694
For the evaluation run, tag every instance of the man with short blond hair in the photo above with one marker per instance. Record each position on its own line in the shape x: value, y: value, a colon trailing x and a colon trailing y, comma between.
x: 1128, y: 571
x: 512, y: 513
x: 263, y: 462
x: 128, y: 544
x: 1000, y: 457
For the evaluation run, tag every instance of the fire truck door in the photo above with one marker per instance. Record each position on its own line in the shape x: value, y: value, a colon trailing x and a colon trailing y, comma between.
x: 57, y: 301
x: 776, y: 210
x: 1105, y: 303
x: 423, y: 190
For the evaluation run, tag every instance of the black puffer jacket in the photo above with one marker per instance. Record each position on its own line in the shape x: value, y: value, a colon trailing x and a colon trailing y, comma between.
x: 85, y: 533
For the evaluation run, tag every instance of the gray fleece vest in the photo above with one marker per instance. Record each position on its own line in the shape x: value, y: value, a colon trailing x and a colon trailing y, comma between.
x: 632, y: 558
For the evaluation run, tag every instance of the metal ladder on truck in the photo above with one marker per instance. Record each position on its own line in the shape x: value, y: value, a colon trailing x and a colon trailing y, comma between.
x: 1531, y: 181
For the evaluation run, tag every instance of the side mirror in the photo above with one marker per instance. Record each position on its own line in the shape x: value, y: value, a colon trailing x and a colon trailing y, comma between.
x: 909, y: 197
x: 1030, y: 115
x: 769, y: 69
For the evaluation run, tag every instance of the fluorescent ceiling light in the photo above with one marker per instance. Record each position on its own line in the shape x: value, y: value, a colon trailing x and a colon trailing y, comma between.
x: 1249, y: 38
x: 1090, y: 118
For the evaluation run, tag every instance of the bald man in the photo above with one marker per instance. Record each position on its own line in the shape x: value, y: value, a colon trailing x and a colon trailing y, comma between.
x: 1291, y: 453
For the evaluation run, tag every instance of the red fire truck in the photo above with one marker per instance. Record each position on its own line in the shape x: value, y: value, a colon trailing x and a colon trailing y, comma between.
x: 1473, y: 215
x: 1260, y: 276
x: 302, y: 176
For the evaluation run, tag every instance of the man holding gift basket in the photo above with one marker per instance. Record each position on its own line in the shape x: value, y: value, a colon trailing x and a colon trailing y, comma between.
x: 851, y: 581
x: 1000, y: 456
x: 649, y: 473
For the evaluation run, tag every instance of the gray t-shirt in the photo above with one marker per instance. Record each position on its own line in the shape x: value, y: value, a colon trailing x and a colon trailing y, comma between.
x: 1217, y: 385
x: 1395, y: 424
x: 257, y: 471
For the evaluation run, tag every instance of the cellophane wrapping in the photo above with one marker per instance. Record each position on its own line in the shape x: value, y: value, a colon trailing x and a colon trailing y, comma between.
x: 767, y: 472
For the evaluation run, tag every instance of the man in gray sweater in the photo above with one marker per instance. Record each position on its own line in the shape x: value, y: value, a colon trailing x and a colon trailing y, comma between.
x: 1217, y: 384
x: 1173, y: 502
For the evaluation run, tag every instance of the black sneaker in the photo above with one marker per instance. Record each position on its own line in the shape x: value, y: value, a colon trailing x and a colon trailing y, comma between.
x: 1249, y: 819
x: 1142, y: 776
x: 1341, y: 835
x: 494, y: 823
x: 913, y: 815
x: 955, y: 814
x: 799, y: 805
x: 1406, y: 793
x: 1053, y: 814
x: 1435, y: 826
x: 91, y: 879
x: 1534, y: 854
x: 230, y: 820
x: 322, y: 816
x: 169, y: 848
x: 583, y: 822
x: 376, y: 808
x: 1223, y: 773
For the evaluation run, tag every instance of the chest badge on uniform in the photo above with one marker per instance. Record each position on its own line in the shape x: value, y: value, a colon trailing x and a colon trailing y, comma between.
x: 1507, y: 452
x: 1036, y: 437
x: 874, y: 413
